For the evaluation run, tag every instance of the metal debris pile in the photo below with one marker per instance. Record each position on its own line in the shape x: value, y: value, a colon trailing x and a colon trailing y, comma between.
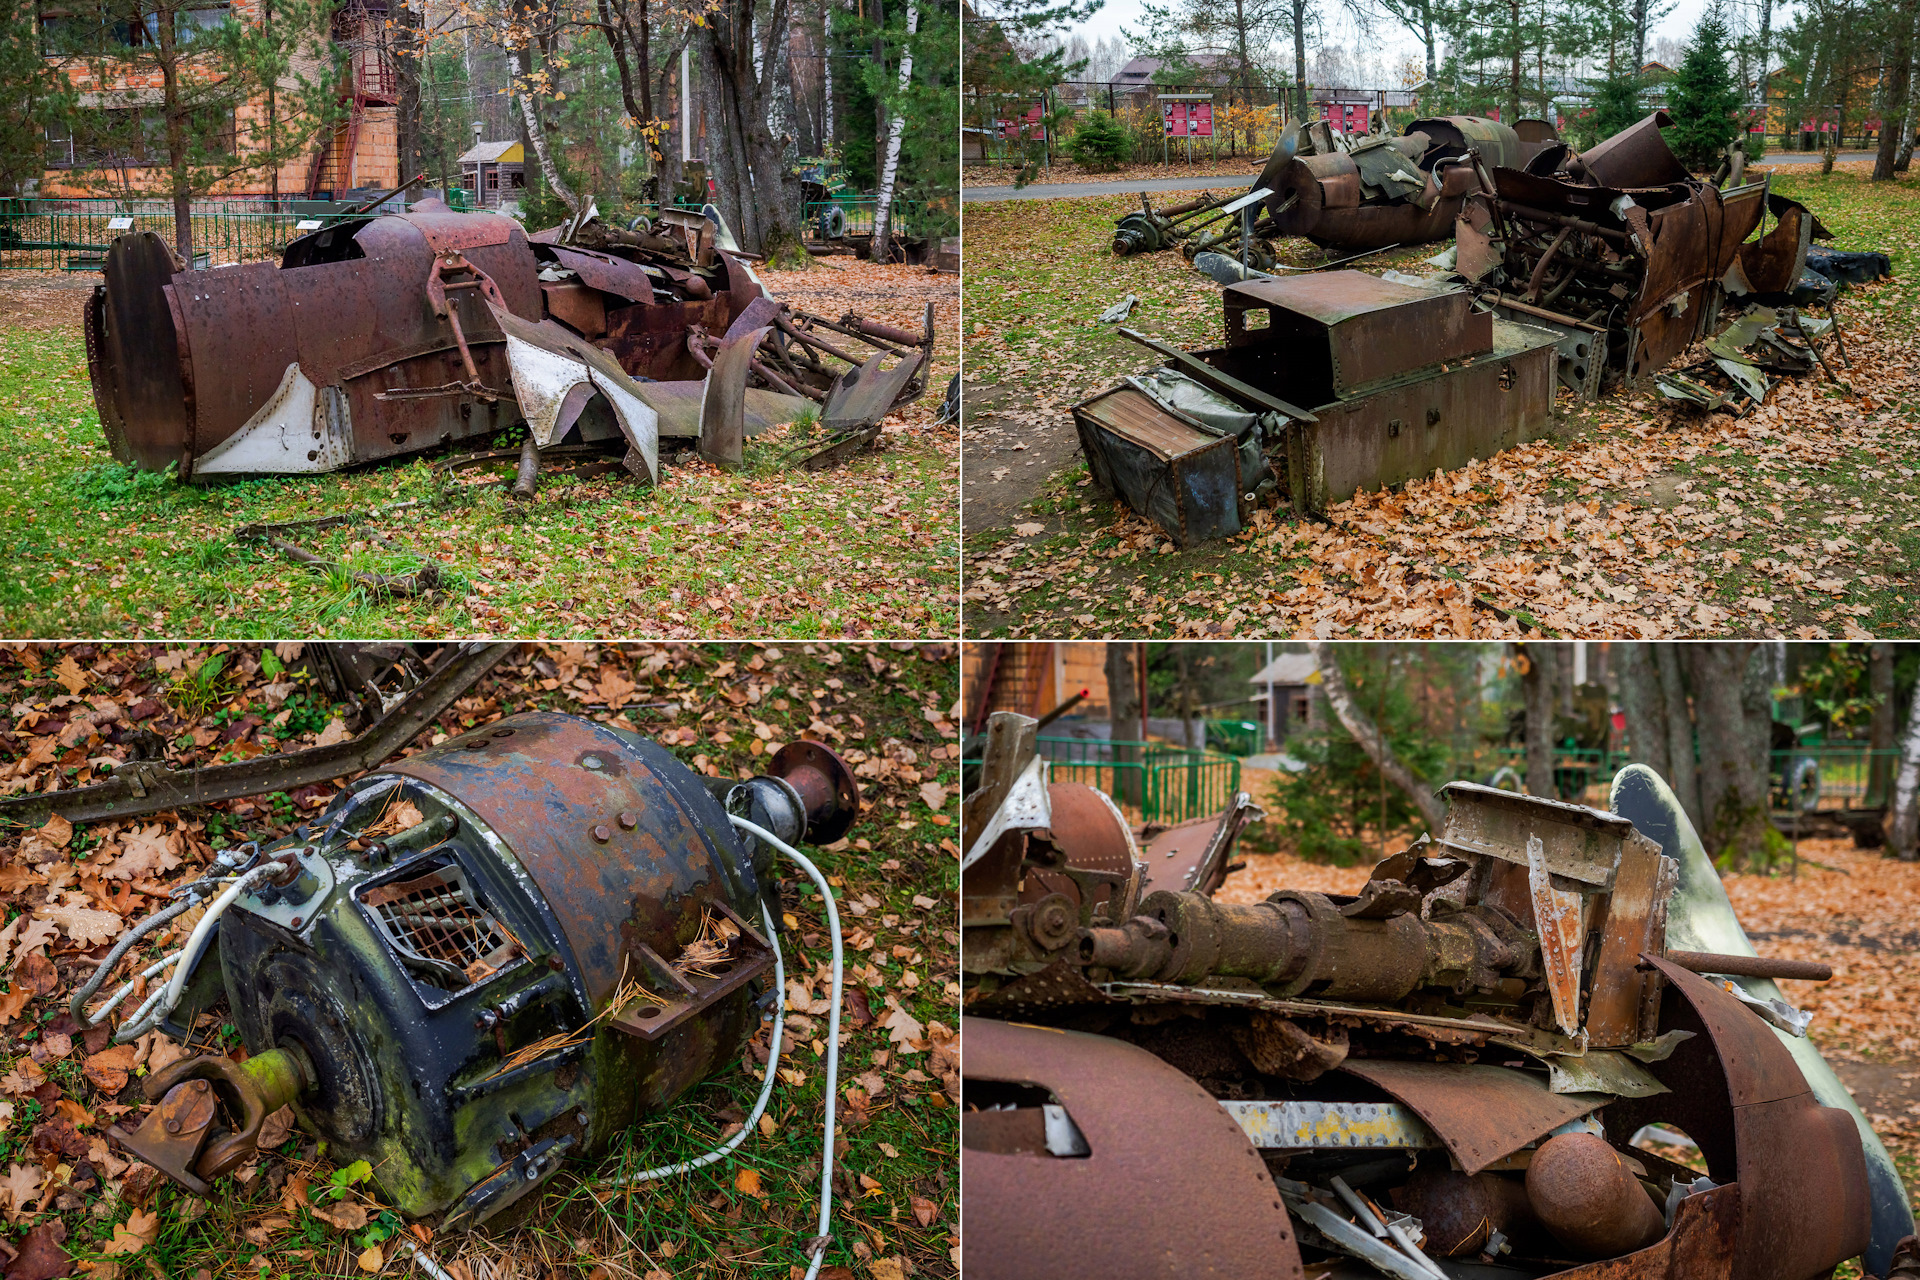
x: 1629, y: 260
x: 1468, y: 1064
x: 389, y: 334
x: 1374, y: 191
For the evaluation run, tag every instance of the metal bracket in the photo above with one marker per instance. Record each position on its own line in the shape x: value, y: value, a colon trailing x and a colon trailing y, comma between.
x: 748, y: 957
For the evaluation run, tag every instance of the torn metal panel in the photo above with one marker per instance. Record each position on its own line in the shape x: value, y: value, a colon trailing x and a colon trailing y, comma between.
x: 723, y: 404
x: 557, y: 376
x: 1214, y: 1206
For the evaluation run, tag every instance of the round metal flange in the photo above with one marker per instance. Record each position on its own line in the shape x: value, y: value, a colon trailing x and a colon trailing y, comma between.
x: 825, y: 784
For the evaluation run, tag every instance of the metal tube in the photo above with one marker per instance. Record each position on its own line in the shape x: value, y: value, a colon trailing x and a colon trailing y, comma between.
x: 528, y: 479
x: 1751, y: 966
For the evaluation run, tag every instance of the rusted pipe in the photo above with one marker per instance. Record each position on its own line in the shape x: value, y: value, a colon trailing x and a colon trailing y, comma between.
x: 1564, y: 220
x: 528, y: 479
x: 1752, y: 966
x: 1546, y: 259
x: 1584, y: 1193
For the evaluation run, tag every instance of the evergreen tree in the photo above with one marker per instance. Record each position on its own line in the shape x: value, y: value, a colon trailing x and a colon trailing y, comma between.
x: 1101, y: 142
x: 1616, y: 104
x: 1703, y: 99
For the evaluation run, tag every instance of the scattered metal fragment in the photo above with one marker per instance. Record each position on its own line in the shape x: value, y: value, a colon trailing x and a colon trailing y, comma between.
x: 1443, y: 1101
x: 138, y: 787
x: 1150, y: 230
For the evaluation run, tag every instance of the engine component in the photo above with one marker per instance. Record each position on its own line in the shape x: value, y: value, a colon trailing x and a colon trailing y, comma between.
x: 485, y: 957
x: 1583, y: 1192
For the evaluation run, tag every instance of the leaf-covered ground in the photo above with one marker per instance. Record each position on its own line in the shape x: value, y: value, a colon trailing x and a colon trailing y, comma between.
x: 1632, y: 518
x: 72, y: 1203
x: 1848, y: 907
x: 867, y: 549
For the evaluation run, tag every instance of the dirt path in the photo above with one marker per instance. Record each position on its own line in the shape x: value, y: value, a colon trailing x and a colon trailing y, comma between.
x: 1008, y: 456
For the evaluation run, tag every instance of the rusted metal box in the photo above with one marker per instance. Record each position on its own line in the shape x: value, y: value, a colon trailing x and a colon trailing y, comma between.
x: 1162, y: 464
x: 1404, y: 380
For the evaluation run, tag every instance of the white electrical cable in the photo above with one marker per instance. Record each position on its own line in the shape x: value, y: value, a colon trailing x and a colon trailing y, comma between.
x: 169, y: 996
x: 833, y: 1032
x: 93, y: 1019
x: 766, y: 1084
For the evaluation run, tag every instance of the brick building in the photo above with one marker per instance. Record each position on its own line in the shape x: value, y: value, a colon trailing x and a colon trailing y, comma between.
x: 362, y: 150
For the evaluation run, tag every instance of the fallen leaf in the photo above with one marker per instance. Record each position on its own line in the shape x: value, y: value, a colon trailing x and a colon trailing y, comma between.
x: 108, y: 1069
x: 135, y: 1234
x: 348, y: 1215
x: 372, y: 1260
x: 69, y: 674
x: 747, y: 1182
x: 84, y: 925
x: 36, y: 974
x: 335, y: 732
x: 40, y: 1256
x: 933, y: 795
x: 886, y: 1269
x: 924, y: 1210
x: 275, y: 1128
x: 57, y: 831
x: 1029, y: 529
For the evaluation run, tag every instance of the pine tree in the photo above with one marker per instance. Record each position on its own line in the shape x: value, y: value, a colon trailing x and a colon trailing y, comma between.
x: 1616, y: 104
x: 1703, y: 99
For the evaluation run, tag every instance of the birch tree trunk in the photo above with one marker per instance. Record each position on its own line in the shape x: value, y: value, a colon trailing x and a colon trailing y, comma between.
x: 537, y: 134
x: 1372, y: 741
x: 882, y: 248
x: 1903, y: 821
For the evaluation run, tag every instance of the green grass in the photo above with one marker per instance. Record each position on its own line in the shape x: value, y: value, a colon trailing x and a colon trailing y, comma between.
x: 95, y: 548
x: 698, y: 1224
x: 1039, y: 275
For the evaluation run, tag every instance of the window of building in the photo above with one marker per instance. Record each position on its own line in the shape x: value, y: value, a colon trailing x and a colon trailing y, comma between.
x: 493, y: 179
x: 517, y: 180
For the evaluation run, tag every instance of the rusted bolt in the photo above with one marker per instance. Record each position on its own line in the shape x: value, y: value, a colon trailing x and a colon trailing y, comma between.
x: 173, y: 1126
x: 603, y: 833
x: 555, y: 963
x: 628, y: 821
x: 298, y: 921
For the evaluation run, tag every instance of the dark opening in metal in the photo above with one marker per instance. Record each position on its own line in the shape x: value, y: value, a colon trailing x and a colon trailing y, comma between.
x: 440, y: 929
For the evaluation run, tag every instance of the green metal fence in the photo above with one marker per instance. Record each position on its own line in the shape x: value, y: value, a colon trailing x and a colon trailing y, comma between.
x: 858, y: 213
x: 39, y: 234
x: 1150, y: 781
x: 1834, y: 775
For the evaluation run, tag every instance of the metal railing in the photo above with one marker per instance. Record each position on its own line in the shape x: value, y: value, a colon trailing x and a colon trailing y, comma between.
x: 857, y: 214
x: 47, y: 234
x: 1150, y: 781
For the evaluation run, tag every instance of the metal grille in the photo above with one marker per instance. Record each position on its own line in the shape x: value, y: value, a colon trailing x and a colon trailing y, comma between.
x: 439, y: 928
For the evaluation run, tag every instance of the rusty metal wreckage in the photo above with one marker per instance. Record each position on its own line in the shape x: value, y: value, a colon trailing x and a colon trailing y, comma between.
x: 1439, y: 1078
x: 482, y: 959
x: 1568, y: 268
x: 389, y: 334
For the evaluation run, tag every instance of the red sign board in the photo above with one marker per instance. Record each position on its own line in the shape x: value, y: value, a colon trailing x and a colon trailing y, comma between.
x: 1187, y: 119
x: 1347, y: 117
x: 1027, y: 126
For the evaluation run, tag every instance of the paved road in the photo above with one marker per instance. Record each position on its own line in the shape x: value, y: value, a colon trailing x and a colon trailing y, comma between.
x: 1054, y: 190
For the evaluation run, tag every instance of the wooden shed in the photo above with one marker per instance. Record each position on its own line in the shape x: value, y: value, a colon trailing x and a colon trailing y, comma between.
x: 492, y: 172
